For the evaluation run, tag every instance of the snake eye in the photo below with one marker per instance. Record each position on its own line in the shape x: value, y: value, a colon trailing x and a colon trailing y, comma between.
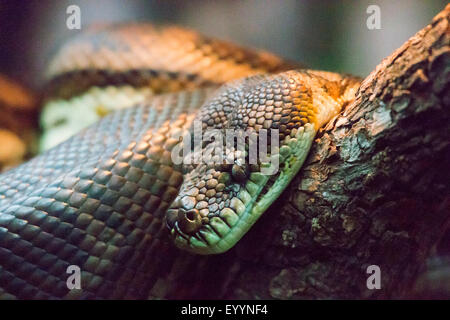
x: 224, y: 178
x: 240, y: 172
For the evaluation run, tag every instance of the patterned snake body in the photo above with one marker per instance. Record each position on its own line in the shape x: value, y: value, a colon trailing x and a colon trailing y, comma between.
x: 110, y: 199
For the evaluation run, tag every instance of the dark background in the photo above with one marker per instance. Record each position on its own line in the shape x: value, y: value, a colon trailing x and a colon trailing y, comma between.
x: 329, y: 35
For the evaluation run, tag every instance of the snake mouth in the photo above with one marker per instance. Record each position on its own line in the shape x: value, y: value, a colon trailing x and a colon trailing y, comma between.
x: 215, y: 207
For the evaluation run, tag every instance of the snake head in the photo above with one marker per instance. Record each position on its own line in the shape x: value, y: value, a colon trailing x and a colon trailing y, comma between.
x: 205, y: 216
x: 219, y: 202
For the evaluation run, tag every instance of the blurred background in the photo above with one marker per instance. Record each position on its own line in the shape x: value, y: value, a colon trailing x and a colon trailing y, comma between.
x: 329, y: 35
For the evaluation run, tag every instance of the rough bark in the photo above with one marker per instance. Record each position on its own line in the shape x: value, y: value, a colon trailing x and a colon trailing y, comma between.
x: 375, y: 190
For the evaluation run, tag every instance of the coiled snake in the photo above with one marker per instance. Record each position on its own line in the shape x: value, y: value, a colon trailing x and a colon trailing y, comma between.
x: 110, y: 198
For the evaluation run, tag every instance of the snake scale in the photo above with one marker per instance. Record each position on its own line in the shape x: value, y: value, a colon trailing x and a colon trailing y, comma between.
x: 110, y: 199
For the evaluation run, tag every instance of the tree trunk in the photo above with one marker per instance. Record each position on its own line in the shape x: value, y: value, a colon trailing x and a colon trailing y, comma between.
x: 375, y: 190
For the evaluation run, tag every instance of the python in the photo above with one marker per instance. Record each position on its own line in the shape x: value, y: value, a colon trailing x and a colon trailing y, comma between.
x: 110, y: 199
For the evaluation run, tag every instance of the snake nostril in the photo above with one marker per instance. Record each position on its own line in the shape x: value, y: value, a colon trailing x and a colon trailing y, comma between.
x: 191, y: 214
x: 189, y: 221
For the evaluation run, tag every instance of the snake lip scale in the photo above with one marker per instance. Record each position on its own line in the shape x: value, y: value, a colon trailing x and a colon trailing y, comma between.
x: 105, y: 193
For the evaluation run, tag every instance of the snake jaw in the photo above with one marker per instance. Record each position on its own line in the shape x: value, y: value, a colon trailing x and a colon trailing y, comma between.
x: 201, y: 214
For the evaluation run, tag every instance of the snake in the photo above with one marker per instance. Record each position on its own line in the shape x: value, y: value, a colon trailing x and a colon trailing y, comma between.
x: 110, y: 198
